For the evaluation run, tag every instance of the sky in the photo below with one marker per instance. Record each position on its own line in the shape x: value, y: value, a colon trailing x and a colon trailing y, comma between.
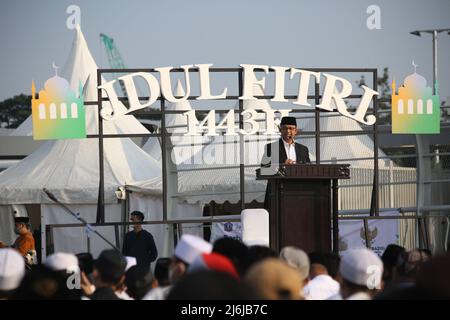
x: 157, y: 33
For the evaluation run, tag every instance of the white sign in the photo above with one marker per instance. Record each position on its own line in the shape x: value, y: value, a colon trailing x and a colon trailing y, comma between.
x: 330, y: 96
x: 380, y: 233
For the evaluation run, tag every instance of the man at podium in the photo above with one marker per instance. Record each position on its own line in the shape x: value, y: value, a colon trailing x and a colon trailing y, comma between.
x: 285, y: 151
x: 289, y: 151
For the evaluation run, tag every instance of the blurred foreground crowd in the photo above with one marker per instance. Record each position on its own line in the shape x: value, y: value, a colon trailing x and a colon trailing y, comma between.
x: 229, y: 269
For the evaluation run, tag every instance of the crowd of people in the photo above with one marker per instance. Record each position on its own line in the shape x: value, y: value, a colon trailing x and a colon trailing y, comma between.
x: 229, y: 269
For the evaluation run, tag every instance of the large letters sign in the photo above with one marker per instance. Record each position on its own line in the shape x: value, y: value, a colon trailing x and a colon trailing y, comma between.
x: 330, y: 96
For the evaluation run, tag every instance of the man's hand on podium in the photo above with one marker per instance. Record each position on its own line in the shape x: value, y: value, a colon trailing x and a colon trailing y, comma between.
x: 289, y: 161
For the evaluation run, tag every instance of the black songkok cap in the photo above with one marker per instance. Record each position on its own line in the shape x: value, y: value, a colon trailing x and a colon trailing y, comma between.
x: 289, y: 121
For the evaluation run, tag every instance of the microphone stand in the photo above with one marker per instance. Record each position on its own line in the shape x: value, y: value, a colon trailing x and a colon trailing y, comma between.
x: 77, y: 216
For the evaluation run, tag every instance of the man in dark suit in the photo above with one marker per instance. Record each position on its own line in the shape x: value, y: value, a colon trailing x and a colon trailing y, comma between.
x: 285, y: 151
x: 289, y: 151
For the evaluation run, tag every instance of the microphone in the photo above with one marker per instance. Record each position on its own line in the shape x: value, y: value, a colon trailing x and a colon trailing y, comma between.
x: 77, y: 216
x: 50, y: 195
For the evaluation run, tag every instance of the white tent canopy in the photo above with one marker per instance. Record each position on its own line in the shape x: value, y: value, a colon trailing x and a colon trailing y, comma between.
x: 81, y: 67
x: 70, y: 168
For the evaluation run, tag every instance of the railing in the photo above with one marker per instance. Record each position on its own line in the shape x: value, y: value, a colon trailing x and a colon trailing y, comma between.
x: 177, y: 225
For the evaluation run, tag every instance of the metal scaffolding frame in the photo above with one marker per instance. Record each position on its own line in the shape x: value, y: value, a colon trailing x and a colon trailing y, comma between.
x: 163, y: 135
x: 239, y: 71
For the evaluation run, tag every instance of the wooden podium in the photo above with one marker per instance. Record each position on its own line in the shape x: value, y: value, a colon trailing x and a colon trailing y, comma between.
x: 303, y: 206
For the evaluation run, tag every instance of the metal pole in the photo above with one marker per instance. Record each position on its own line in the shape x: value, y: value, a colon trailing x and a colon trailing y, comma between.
x: 375, y: 144
x: 169, y: 239
x: 391, y: 186
x: 43, y: 247
x: 88, y: 243
x: 434, y: 61
x: 117, y: 236
x: 101, y: 188
x: 49, y: 240
x: 366, y: 234
x: 163, y: 157
x: 126, y: 214
x: 176, y: 234
x: 241, y: 142
x: 317, y: 118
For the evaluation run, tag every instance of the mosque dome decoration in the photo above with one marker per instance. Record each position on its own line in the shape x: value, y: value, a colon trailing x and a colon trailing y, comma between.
x: 415, y: 109
x: 57, y: 111
x: 56, y: 87
x: 415, y: 83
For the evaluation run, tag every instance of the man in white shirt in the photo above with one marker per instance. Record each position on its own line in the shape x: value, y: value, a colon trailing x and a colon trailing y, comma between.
x: 321, y: 285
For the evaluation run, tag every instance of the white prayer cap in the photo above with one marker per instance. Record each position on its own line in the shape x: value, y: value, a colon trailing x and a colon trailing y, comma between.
x: 62, y: 261
x: 190, y: 247
x: 12, y: 269
x: 297, y: 259
x: 362, y: 267
x: 131, y: 261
